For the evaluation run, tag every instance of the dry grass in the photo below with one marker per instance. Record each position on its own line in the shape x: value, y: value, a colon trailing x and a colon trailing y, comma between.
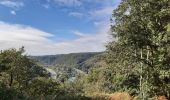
x: 100, y: 96
x: 160, y: 98
x: 121, y: 96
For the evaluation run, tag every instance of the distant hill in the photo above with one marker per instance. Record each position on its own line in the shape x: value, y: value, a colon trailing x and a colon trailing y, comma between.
x: 70, y: 65
x: 81, y: 61
x: 72, y: 59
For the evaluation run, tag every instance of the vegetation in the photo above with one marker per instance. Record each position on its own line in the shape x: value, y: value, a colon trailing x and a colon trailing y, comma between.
x: 142, y: 30
x: 75, y: 60
x: 135, y: 66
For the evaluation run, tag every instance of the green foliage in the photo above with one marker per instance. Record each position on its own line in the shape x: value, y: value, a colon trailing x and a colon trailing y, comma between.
x: 43, y: 87
x: 19, y: 77
x: 141, y: 54
x: 23, y: 79
x: 10, y: 93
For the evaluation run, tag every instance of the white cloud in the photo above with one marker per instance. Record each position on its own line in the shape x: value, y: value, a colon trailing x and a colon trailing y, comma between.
x: 90, y: 43
x: 101, y: 14
x: 13, y: 12
x: 76, y: 14
x: 16, y: 32
x: 15, y: 5
x: 79, y: 34
x: 37, y: 42
x: 75, y: 3
x: 69, y: 3
x: 12, y: 4
x: 14, y: 35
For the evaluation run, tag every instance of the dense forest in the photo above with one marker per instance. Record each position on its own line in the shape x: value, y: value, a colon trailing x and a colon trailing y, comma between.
x: 135, y: 66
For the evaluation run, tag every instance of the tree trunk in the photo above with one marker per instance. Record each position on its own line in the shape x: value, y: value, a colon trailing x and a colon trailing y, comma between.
x: 141, y: 75
x: 148, y: 70
x: 11, y: 79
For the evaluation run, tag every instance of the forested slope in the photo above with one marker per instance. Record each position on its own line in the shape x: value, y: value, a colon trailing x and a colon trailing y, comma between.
x: 70, y: 66
x: 74, y: 60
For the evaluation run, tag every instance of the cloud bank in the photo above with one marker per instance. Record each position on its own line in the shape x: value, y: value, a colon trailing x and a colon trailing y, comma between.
x: 38, y: 42
x: 12, y: 4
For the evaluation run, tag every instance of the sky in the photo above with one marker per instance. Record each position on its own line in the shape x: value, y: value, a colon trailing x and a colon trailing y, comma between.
x: 48, y: 27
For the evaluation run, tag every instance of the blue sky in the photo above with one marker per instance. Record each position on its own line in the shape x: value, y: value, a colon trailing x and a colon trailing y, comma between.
x: 48, y: 27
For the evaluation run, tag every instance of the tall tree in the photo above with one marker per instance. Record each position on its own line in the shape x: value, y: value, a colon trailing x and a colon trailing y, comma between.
x: 141, y: 28
x: 17, y: 70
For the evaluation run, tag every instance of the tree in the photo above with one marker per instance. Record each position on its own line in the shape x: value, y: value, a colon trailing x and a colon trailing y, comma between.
x: 141, y: 28
x: 17, y: 71
x: 42, y: 87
